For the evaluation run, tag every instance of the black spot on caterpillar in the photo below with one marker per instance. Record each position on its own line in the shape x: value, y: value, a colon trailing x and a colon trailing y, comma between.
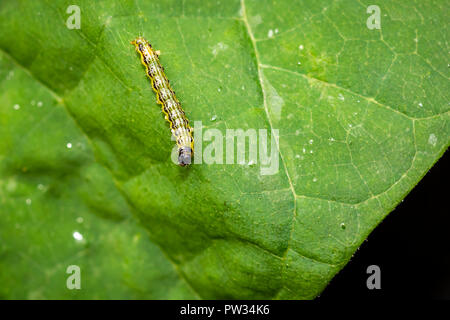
x: 165, y: 96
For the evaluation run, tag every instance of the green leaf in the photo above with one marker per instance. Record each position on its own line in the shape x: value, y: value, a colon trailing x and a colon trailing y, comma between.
x: 60, y: 208
x: 362, y: 114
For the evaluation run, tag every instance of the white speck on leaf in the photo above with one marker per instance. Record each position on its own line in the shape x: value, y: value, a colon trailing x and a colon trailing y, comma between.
x: 216, y: 49
x: 432, y: 139
x: 77, y: 236
x: 256, y: 20
x: 275, y: 102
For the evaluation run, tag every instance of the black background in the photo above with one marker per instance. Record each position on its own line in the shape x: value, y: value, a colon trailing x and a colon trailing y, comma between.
x: 411, y: 247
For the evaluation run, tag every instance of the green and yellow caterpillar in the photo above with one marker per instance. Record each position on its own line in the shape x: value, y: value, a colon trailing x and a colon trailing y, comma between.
x: 165, y: 96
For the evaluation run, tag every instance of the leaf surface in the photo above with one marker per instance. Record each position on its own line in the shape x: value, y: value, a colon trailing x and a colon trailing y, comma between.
x: 361, y: 116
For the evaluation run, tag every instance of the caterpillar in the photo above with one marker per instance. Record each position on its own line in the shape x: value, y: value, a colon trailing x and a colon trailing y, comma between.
x: 165, y: 96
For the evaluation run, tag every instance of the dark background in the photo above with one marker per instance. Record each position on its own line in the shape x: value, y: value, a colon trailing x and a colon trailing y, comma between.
x: 411, y: 247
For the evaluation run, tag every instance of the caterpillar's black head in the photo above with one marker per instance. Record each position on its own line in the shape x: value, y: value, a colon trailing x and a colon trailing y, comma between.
x: 185, y: 156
